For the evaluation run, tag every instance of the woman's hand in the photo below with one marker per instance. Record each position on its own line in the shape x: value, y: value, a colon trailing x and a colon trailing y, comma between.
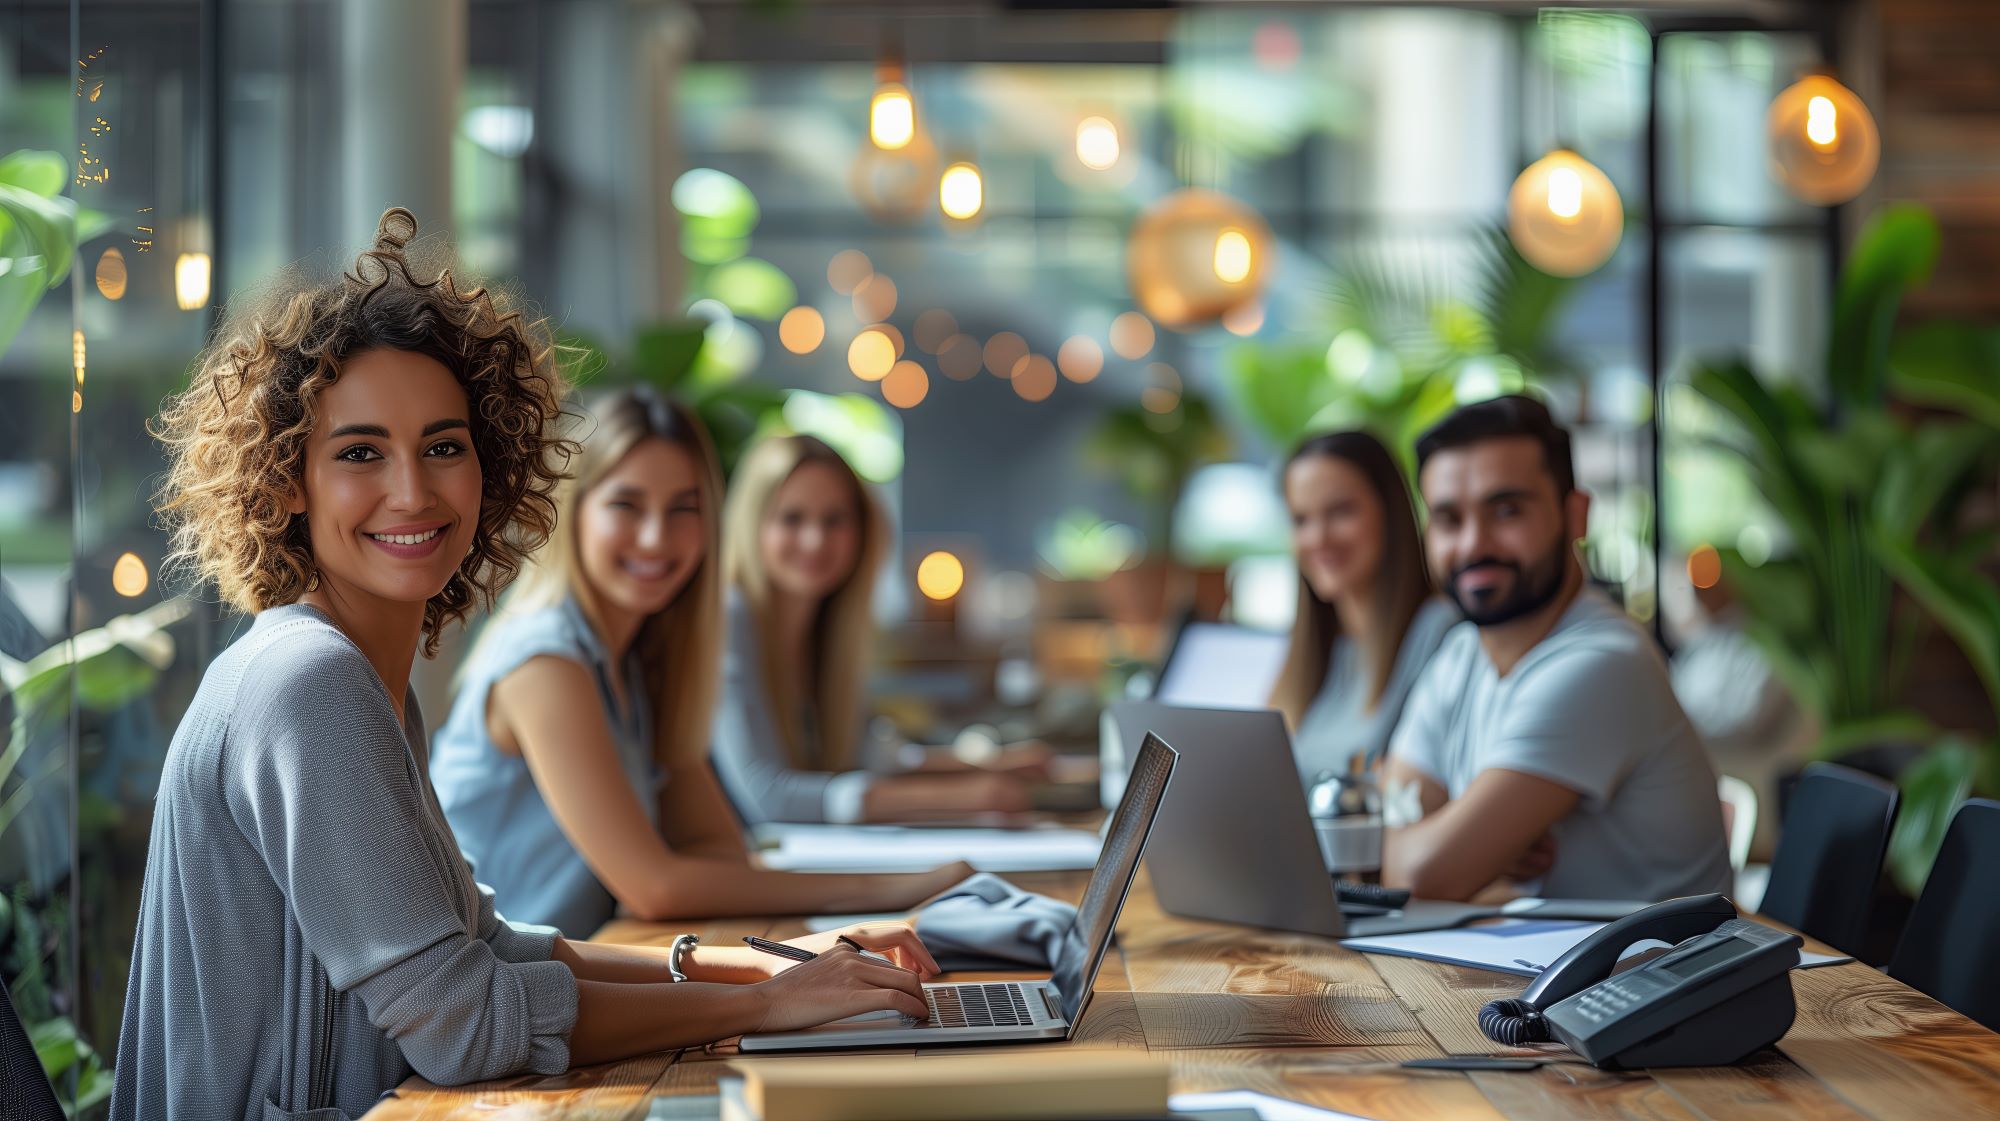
x: 835, y: 985
x: 896, y: 941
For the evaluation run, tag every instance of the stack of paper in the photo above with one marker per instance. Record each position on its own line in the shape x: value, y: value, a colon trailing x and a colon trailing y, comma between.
x: 895, y: 848
x: 1520, y: 946
x: 1065, y: 1084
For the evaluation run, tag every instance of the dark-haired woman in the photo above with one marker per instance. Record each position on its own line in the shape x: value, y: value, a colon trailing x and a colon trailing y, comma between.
x: 1367, y: 620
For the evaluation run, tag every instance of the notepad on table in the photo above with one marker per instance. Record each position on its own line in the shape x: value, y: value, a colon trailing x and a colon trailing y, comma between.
x: 1520, y: 946
x: 896, y: 848
x: 1075, y: 1084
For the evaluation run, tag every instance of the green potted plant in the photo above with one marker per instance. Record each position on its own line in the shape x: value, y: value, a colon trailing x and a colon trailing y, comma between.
x: 1869, y: 491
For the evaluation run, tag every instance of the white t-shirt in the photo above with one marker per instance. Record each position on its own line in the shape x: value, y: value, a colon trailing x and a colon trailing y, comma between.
x: 1591, y: 708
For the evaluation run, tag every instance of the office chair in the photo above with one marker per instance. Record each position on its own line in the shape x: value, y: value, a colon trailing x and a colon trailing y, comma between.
x: 24, y: 1091
x: 1947, y: 950
x: 1836, y: 830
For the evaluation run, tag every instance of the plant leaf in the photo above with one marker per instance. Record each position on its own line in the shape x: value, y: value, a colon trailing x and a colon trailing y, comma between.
x: 1932, y: 787
x: 1895, y: 252
x: 1950, y: 365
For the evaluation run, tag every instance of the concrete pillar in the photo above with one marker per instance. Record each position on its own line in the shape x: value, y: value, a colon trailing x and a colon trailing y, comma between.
x: 401, y: 67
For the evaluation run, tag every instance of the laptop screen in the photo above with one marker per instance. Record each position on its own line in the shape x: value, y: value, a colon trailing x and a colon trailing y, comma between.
x: 1220, y: 665
x: 1086, y: 940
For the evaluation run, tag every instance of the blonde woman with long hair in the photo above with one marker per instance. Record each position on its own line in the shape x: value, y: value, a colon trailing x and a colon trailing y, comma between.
x: 574, y: 764
x: 359, y: 462
x: 1367, y: 620
x: 804, y: 541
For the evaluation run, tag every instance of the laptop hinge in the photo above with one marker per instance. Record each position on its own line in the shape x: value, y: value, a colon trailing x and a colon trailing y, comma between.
x: 1049, y: 1002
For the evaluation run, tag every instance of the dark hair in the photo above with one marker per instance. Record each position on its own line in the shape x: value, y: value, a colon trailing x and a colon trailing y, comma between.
x: 1401, y: 585
x: 1504, y: 418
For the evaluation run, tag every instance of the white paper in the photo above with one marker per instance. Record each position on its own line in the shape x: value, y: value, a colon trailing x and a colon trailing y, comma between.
x: 1523, y: 947
x: 893, y: 848
x: 1268, y: 1108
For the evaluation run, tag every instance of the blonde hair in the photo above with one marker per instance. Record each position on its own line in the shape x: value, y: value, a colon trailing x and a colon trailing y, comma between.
x: 1402, y: 582
x: 679, y: 646
x: 236, y: 436
x: 839, y: 654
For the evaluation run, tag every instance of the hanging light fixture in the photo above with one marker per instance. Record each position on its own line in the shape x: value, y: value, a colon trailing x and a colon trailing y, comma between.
x: 1196, y: 256
x: 961, y: 191
x: 1564, y: 214
x: 892, y: 114
x: 1824, y: 145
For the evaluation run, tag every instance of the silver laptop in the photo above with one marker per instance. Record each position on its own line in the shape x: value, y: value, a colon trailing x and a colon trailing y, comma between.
x: 1221, y: 665
x: 1021, y: 1011
x: 1235, y: 842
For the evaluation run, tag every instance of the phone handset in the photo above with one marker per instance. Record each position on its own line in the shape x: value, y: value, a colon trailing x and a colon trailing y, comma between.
x: 1519, y: 1020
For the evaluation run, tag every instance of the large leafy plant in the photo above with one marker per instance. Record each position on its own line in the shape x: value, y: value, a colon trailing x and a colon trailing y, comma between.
x: 1868, y: 491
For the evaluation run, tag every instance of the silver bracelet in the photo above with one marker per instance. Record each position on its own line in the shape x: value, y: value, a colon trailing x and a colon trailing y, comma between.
x: 681, y: 945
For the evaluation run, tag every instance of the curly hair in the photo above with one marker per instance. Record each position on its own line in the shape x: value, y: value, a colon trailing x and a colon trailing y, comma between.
x: 236, y: 435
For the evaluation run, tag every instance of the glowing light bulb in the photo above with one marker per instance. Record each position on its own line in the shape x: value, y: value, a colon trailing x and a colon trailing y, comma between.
x: 1564, y: 214
x: 892, y: 117
x: 1823, y: 142
x: 191, y: 272
x: 940, y: 576
x: 960, y: 192
x: 1097, y: 143
x: 1565, y: 193
x: 1232, y: 257
x: 1821, y: 128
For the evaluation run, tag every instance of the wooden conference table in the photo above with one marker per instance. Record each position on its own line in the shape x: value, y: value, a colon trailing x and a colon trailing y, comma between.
x: 1299, y: 1017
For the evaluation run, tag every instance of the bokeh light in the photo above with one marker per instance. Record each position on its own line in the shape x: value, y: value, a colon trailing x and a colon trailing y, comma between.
x: 802, y: 330
x: 871, y: 355
x: 1097, y: 143
x: 848, y: 269
x: 1704, y: 566
x: 1132, y: 336
x: 875, y: 299
x: 111, y: 274
x: 1034, y: 378
x: 1163, y: 391
x: 906, y: 386
x: 960, y: 358
x: 1003, y: 351
x: 1245, y: 321
x: 129, y: 577
x: 1080, y: 358
x: 940, y: 575
x: 933, y: 329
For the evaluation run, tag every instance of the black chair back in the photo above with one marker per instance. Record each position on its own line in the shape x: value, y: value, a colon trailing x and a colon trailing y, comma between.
x: 24, y: 1089
x: 1830, y: 854
x: 1948, y: 947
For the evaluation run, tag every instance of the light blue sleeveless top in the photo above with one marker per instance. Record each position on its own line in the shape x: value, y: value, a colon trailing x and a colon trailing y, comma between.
x: 502, y: 823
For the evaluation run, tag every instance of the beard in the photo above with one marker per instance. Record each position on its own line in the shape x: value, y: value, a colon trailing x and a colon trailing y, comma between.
x: 1534, y: 586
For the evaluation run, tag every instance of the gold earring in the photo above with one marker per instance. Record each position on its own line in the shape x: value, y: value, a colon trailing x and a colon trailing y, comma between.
x: 312, y: 582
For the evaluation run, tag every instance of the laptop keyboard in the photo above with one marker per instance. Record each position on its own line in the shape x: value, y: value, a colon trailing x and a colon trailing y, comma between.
x: 1001, y: 1004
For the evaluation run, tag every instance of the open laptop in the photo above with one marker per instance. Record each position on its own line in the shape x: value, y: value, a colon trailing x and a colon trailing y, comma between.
x: 1022, y: 1011
x: 1235, y: 842
x: 1221, y: 665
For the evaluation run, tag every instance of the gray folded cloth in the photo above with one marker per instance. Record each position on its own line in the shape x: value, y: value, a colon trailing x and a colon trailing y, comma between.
x: 987, y: 923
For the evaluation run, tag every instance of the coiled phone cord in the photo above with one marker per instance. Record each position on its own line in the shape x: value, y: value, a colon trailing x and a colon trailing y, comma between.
x: 1513, y: 1022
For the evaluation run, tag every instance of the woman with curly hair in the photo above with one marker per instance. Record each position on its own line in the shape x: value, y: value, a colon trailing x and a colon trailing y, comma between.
x: 574, y: 765
x: 359, y: 463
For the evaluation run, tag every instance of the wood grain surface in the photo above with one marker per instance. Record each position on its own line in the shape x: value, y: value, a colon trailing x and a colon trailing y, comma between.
x: 1299, y: 1017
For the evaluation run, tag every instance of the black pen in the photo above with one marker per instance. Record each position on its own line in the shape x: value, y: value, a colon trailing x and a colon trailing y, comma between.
x: 793, y: 952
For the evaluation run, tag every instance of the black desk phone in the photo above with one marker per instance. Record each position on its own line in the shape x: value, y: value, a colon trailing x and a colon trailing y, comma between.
x: 1722, y: 993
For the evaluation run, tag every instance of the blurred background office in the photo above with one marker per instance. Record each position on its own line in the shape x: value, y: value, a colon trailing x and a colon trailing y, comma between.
x: 1064, y: 281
